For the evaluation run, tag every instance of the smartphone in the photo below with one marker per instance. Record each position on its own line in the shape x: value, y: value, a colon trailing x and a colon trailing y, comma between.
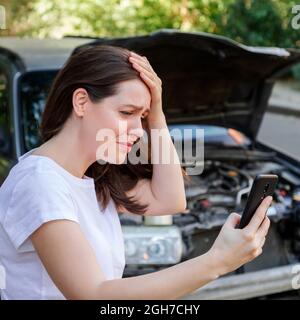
x: 264, y: 185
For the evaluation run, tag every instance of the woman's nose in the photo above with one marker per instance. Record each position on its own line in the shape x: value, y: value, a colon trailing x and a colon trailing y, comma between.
x: 136, y: 129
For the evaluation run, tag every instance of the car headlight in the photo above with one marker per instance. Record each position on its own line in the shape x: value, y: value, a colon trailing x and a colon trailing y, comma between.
x: 147, y: 245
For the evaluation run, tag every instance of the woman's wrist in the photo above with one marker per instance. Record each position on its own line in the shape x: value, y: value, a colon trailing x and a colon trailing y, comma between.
x: 216, y: 264
x: 157, y: 121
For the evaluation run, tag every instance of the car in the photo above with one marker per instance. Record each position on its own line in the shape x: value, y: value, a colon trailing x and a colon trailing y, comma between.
x: 210, y: 83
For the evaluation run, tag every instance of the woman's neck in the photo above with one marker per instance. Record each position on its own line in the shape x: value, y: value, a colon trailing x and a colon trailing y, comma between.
x: 67, y: 152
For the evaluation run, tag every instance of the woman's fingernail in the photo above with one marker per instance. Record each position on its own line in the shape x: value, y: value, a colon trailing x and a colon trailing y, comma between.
x: 270, y: 199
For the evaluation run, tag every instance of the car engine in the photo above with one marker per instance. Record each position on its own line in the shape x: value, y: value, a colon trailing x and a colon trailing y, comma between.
x: 223, y: 188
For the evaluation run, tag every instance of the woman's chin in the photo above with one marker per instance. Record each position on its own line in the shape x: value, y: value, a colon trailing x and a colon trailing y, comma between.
x: 113, y: 160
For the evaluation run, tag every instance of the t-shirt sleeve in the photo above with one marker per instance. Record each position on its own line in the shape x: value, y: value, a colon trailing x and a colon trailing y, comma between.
x: 37, y: 198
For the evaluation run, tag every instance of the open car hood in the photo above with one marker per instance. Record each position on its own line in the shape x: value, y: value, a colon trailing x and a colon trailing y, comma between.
x: 211, y: 79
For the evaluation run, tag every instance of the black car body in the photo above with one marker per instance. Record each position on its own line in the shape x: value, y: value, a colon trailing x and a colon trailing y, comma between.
x: 209, y: 82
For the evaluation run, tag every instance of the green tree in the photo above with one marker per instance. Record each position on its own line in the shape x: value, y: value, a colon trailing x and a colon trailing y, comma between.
x: 253, y: 22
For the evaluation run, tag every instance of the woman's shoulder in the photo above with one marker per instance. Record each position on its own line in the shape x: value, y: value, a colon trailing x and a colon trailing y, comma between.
x: 34, y: 174
x: 34, y: 193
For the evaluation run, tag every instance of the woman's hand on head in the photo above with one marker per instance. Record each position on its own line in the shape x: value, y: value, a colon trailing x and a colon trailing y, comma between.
x: 154, y: 83
x: 235, y: 247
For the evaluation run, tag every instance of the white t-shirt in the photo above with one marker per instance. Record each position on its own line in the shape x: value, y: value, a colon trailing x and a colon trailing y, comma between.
x: 38, y: 190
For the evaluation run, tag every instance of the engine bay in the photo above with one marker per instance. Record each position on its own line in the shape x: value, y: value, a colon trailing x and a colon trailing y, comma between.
x: 222, y: 188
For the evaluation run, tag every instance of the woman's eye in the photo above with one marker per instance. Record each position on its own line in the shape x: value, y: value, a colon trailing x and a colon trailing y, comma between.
x: 126, y: 113
x: 144, y: 116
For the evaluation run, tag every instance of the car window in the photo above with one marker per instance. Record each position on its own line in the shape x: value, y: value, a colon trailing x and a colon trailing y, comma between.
x: 5, y: 135
x: 34, y: 89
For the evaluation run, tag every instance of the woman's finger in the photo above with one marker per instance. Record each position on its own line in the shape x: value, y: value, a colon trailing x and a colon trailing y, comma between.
x: 150, y: 82
x: 263, y: 242
x: 133, y: 54
x: 263, y: 229
x: 259, y: 216
x: 142, y: 63
x: 146, y: 67
x: 233, y: 220
x: 143, y: 60
x: 141, y: 69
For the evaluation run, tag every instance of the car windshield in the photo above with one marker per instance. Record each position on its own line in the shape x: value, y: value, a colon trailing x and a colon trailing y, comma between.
x: 35, y: 86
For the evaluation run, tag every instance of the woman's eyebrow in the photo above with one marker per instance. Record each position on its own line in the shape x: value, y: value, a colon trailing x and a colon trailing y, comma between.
x: 134, y: 106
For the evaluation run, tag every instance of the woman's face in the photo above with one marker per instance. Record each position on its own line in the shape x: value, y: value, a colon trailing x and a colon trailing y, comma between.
x: 108, y: 126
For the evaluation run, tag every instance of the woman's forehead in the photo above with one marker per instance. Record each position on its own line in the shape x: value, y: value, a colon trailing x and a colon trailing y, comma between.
x: 134, y: 92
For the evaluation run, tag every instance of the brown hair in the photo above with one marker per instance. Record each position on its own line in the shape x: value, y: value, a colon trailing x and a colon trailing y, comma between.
x: 98, y: 69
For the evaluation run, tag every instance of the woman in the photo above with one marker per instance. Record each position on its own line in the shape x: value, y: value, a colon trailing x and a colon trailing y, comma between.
x: 60, y: 231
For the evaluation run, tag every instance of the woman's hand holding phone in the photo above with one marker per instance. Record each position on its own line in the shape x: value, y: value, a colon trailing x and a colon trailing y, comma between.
x: 235, y: 247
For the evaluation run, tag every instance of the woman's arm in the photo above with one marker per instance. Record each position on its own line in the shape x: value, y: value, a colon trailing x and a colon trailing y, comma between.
x: 167, y: 184
x: 73, y: 267
x: 165, y: 192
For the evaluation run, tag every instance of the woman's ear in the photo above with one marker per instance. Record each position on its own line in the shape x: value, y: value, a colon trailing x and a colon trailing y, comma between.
x: 80, y: 99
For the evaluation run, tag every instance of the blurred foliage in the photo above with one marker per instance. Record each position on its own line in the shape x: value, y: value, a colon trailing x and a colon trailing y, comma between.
x: 252, y: 22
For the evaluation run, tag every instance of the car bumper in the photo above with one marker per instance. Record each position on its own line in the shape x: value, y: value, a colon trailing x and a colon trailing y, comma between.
x: 250, y: 285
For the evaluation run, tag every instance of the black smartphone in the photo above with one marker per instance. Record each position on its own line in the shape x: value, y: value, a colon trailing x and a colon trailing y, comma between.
x: 263, y: 185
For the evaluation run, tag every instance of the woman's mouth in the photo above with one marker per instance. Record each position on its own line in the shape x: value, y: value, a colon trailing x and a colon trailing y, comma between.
x: 126, y: 146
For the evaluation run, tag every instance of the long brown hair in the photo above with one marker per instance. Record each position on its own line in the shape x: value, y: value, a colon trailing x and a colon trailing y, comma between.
x: 98, y: 69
